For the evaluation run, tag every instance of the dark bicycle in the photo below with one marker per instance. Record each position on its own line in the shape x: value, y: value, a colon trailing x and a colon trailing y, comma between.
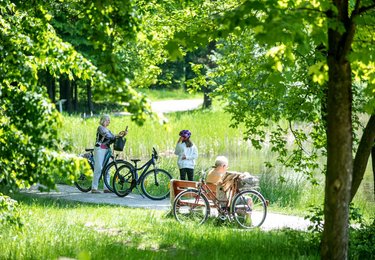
x: 154, y: 183
x: 111, y: 164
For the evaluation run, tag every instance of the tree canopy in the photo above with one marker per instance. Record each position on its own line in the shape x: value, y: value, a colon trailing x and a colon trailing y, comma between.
x: 300, y: 67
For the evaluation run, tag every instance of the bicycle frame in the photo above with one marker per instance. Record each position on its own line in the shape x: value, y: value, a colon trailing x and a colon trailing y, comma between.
x: 204, y: 189
x: 145, y: 167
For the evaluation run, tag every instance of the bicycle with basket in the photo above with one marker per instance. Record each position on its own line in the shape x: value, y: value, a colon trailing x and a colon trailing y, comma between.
x: 247, y: 207
x: 111, y: 164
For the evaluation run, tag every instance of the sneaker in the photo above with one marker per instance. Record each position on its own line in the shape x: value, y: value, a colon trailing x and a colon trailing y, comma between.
x: 95, y: 191
x: 107, y: 191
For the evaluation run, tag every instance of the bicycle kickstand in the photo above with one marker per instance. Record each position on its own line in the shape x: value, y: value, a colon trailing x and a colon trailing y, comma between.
x: 139, y: 191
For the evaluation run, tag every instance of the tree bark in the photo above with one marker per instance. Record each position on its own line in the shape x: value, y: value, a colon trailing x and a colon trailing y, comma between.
x: 339, y: 140
x: 90, y: 105
x: 207, y: 100
x: 51, y: 87
x: 66, y: 93
x: 365, y: 148
x: 373, y: 165
x: 75, y: 96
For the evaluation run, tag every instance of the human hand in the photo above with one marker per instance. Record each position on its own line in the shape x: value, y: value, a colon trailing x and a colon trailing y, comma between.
x: 122, y: 133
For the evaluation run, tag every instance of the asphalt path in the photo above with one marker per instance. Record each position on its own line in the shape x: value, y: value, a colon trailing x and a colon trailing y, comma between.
x: 71, y: 193
x: 168, y: 106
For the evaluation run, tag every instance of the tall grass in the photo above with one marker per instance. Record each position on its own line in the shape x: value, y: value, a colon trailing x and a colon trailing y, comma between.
x: 80, y: 231
x: 213, y: 136
x: 210, y: 133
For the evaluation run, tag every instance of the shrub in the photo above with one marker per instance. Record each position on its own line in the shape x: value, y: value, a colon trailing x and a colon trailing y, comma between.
x: 9, y: 213
x: 362, y: 241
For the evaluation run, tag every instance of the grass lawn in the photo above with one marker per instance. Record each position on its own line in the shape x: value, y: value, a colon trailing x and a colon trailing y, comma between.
x: 56, y: 228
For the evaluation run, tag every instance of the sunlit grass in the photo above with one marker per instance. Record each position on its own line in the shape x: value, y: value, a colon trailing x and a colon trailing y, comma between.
x: 83, y: 231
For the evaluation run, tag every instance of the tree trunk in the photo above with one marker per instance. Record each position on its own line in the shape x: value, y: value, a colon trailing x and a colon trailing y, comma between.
x: 365, y: 148
x: 75, y: 96
x: 339, y: 141
x: 90, y: 105
x: 207, y: 100
x: 66, y: 93
x: 373, y: 165
x: 51, y: 87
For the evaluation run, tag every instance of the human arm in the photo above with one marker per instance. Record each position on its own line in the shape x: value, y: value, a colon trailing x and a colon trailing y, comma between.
x: 178, y: 149
x: 105, y: 135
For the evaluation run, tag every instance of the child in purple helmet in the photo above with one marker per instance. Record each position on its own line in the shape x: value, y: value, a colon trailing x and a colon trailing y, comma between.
x: 187, y: 153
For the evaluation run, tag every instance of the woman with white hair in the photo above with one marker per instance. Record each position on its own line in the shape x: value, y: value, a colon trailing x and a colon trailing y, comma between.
x: 104, y: 138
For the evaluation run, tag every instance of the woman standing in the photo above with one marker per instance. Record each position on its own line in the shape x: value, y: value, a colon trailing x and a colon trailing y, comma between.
x: 104, y: 138
x: 187, y: 153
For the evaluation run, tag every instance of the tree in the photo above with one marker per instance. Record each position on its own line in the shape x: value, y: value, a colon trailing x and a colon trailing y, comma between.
x: 295, y: 61
x: 30, y: 151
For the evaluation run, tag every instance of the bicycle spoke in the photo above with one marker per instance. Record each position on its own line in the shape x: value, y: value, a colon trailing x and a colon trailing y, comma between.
x: 156, y: 185
x: 249, y: 209
x: 190, y: 207
x: 109, y: 172
x: 123, y: 182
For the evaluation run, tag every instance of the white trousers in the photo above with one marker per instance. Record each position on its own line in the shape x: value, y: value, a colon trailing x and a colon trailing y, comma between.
x: 99, y: 155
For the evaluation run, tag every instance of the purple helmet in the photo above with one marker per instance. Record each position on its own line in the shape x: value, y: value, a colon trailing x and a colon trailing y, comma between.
x: 185, y: 133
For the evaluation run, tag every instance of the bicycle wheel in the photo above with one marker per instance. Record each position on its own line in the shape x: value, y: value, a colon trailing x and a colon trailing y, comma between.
x: 110, y: 170
x: 191, y: 207
x: 84, y: 182
x: 155, y: 184
x: 249, y: 209
x: 123, y: 181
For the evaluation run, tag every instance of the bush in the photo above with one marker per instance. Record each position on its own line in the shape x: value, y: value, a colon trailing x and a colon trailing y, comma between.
x: 362, y: 241
x: 9, y: 213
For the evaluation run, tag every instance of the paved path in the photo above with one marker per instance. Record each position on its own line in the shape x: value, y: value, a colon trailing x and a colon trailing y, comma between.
x: 273, y: 221
x: 167, y: 106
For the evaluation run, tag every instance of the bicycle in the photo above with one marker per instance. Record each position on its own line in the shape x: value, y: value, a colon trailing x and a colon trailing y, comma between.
x: 154, y: 183
x: 110, y: 165
x: 248, y: 207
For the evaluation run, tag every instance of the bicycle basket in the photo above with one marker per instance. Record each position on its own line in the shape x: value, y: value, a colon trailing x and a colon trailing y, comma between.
x: 119, y: 144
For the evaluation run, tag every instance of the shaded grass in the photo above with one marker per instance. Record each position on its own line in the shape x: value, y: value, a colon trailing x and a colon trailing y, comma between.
x: 110, y: 232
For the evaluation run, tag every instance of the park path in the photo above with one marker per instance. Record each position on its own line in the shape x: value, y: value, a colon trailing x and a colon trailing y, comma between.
x: 168, y: 106
x: 71, y: 193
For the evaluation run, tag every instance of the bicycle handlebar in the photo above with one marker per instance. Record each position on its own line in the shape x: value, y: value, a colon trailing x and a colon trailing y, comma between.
x: 154, y: 153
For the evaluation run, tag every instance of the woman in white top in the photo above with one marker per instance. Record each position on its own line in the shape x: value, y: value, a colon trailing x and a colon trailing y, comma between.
x: 187, y: 153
